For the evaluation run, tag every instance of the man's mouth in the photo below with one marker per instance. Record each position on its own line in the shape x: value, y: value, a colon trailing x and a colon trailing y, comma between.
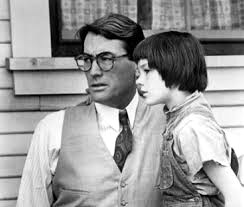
x: 98, y: 86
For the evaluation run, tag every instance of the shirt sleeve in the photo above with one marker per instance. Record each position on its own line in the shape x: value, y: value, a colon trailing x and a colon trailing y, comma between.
x: 201, y: 140
x: 35, y: 187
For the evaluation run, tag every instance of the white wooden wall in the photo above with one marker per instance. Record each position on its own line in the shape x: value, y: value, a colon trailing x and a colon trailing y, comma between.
x: 8, y: 186
x: 20, y: 114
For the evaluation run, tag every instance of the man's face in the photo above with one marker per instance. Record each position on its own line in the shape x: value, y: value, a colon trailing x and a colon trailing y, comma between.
x: 116, y: 87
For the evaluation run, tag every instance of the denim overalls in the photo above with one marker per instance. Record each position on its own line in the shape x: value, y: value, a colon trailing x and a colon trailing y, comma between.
x: 177, y: 190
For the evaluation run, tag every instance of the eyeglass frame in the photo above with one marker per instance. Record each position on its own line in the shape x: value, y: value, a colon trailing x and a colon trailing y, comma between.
x: 92, y: 58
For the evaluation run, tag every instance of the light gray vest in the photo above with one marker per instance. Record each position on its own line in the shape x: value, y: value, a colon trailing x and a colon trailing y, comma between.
x: 86, y: 174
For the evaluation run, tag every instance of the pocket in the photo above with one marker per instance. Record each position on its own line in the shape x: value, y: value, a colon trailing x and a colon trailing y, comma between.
x: 183, y: 202
x: 75, y: 191
x: 74, y: 197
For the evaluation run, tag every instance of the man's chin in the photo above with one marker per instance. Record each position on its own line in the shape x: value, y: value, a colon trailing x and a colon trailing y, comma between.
x: 99, y: 96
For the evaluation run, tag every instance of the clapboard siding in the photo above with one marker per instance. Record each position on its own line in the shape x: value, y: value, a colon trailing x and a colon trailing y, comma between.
x: 7, y: 203
x: 225, y: 98
x: 10, y: 102
x: 6, y: 78
x: 235, y: 137
x: 11, y: 166
x: 4, y: 10
x: 229, y: 116
x: 5, y: 31
x: 49, y: 82
x: 9, y: 188
x: 14, y: 144
x: 225, y: 61
x: 219, y: 78
x: 19, y: 122
x: 5, y: 51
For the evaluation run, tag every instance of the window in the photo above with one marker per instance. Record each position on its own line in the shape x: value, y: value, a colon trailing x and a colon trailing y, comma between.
x: 219, y: 24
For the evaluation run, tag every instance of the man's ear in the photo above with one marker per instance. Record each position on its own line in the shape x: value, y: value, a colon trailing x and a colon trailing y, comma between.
x: 135, y: 68
x: 134, y: 65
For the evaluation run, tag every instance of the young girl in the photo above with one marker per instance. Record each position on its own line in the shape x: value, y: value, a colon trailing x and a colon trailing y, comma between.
x: 195, y: 155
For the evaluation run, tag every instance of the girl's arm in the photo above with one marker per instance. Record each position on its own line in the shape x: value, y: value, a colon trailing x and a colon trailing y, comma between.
x: 226, y: 181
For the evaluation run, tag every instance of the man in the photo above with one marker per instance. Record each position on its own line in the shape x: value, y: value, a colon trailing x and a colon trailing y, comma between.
x: 92, y: 154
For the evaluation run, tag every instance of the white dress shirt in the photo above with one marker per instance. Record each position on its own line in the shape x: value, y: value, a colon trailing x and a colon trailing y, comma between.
x: 42, y: 158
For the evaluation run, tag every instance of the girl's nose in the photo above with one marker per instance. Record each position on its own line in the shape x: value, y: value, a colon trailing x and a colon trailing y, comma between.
x: 139, y: 80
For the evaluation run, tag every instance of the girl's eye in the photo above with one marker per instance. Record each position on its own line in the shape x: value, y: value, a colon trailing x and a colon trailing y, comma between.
x: 146, y: 71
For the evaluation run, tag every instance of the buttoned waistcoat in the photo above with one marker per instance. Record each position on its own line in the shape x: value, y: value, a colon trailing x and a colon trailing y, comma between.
x: 86, y: 174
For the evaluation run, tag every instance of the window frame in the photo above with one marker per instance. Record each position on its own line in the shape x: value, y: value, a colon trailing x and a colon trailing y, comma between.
x: 60, y: 48
x: 215, y: 42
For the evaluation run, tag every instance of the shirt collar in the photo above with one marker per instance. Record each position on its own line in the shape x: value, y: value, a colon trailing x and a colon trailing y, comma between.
x: 109, y: 116
x: 171, y: 114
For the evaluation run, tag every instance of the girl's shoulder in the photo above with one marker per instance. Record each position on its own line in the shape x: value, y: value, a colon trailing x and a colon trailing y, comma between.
x: 198, y: 121
x: 199, y: 139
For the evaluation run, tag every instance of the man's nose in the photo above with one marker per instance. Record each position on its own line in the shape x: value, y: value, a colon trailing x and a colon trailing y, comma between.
x: 95, y: 69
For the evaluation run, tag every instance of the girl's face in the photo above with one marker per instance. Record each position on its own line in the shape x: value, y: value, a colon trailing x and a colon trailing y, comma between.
x: 151, y: 85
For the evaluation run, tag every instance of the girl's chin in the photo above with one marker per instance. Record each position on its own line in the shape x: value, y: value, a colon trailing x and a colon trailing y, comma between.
x: 151, y: 102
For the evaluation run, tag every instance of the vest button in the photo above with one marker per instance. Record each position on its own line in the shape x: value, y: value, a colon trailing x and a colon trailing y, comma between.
x: 122, y: 184
x: 123, y: 203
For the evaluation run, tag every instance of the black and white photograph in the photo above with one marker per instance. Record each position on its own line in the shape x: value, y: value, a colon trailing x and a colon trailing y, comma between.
x: 121, y: 103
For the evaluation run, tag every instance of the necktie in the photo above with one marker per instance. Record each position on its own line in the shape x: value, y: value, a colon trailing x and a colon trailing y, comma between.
x: 123, y: 144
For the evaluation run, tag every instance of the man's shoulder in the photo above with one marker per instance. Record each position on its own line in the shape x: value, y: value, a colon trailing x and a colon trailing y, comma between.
x: 53, y: 117
x: 50, y: 127
x: 83, y: 108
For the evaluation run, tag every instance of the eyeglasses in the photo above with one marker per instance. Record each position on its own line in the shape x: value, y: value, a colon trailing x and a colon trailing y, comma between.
x: 105, y: 61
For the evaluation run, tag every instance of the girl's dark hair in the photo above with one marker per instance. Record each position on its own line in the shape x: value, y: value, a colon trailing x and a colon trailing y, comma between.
x: 115, y: 26
x: 178, y: 57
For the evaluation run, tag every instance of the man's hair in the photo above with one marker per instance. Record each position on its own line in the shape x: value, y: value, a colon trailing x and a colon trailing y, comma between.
x: 115, y: 26
x: 178, y: 57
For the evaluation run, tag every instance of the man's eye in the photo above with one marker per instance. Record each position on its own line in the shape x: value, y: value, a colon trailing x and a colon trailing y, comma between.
x: 106, y: 58
x: 87, y: 59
